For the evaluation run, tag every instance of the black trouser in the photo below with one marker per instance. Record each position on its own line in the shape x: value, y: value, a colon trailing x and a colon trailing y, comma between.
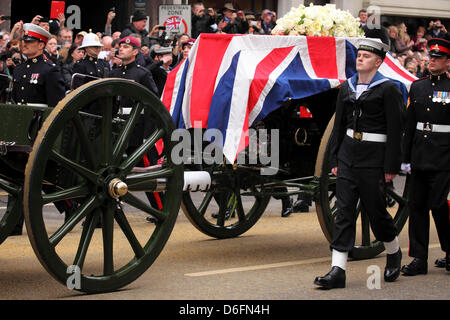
x: 429, y: 191
x: 368, y: 185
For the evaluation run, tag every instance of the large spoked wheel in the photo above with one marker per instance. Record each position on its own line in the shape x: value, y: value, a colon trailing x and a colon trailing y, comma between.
x: 230, y: 208
x: 107, y: 242
x: 366, y: 246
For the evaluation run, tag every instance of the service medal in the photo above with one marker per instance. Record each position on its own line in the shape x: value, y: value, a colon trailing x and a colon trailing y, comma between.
x: 435, y: 93
x: 34, y: 78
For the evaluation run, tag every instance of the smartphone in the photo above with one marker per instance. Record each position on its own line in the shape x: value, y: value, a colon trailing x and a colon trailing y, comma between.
x: 57, y: 8
x: 4, y: 18
x: 162, y: 28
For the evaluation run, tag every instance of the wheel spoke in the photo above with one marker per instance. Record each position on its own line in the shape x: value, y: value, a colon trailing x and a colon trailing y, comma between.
x: 222, y: 210
x: 205, y: 203
x: 398, y: 198
x: 137, y: 155
x: 73, y: 166
x: 106, y: 104
x: 81, y: 212
x: 139, y: 204
x: 125, y: 134
x: 85, y: 239
x: 126, y: 229
x: 71, y: 193
x: 108, y: 235
x: 86, y: 145
x: 334, y: 211
x: 240, y: 207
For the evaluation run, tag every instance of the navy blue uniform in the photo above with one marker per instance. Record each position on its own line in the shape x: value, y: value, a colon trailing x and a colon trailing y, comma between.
x: 90, y: 66
x: 38, y: 81
x: 362, y: 164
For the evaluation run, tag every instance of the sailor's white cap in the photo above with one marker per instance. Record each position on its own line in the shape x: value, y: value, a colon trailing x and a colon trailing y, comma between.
x: 374, y: 45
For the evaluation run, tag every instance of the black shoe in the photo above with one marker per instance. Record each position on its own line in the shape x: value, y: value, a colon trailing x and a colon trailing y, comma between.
x: 393, y: 265
x: 286, y: 209
x: 300, y: 206
x: 440, y: 263
x: 417, y: 266
x: 333, y: 279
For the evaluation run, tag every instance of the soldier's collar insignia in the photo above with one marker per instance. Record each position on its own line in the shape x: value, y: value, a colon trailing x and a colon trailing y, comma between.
x: 34, y: 60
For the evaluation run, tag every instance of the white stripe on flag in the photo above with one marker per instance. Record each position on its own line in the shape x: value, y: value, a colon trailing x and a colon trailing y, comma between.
x: 272, y: 80
x: 341, y: 57
x: 186, y: 107
x: 245, y: 71
x: 176, y: 88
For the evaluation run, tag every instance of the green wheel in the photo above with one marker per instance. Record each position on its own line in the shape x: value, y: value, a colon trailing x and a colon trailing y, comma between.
x: 230, y: 208
x: 107, y: 242
x: 366, y: 246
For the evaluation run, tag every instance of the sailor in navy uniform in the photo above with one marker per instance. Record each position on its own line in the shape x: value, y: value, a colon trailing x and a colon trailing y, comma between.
x: 364, y: 156
x: 129, y: 48
x: 36, y: 82
x: 427, y: 154
x: 91, y: 67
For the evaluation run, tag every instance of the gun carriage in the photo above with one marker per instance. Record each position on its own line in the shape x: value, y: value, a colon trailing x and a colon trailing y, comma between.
x: 77, y: 153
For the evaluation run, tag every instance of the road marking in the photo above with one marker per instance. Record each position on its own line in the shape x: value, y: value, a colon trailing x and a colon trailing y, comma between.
x: 273, y: 265
x: 260, y: 267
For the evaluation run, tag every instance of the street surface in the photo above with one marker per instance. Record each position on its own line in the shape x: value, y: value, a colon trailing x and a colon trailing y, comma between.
x: 277, y: 259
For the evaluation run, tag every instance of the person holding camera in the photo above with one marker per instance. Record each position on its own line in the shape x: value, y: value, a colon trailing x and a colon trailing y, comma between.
x: 202, y: 21
x: 233, y: 21
x: 436, y: 29
x: 267, y: 23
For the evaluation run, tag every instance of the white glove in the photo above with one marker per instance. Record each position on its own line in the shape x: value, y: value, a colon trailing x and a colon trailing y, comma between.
x: 405, y: 167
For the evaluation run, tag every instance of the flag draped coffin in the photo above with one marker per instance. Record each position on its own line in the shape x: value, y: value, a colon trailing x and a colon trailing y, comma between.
x: 230, y: 81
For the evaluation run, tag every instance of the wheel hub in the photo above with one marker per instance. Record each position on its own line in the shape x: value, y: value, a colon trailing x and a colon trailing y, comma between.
x: 117, y: 188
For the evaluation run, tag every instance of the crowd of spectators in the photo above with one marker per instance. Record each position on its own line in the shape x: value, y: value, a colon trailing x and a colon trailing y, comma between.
x: 62, y: 49
x: 410, y: 49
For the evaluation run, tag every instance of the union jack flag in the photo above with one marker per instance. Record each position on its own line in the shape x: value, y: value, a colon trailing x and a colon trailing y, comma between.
x: 228, y: 82
x: 173, y: 23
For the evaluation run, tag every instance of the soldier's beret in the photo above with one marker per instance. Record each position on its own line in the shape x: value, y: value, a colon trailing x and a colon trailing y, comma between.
x: 135, y: 42
x: 189, y: 42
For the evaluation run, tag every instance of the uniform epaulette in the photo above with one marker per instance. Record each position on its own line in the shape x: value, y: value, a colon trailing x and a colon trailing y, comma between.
x: 421, y: 79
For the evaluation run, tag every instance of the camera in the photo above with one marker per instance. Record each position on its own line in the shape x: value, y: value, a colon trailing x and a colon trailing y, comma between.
x: 162, y: 28
x: 4, y: 18
x: 113, y: 9
x: 116, y: 52
x: 16, y: 60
